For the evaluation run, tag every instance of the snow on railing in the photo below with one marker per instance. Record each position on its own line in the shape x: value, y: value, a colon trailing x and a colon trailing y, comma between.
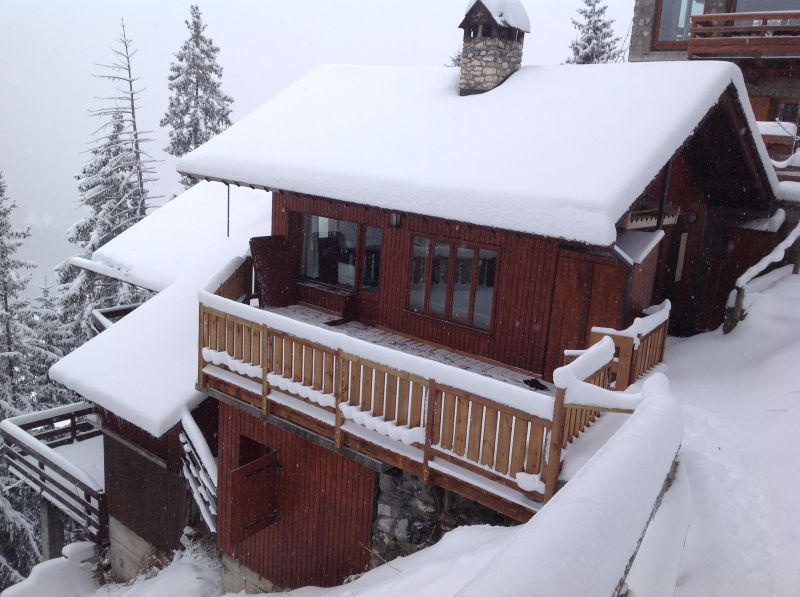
x: 735, y: 306
x: 199, y: 469
x: 640, y: 346
x: 29, y: 443
x: 584, y: 540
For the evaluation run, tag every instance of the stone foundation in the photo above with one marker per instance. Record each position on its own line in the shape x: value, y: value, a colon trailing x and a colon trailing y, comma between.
x: 411, y: 516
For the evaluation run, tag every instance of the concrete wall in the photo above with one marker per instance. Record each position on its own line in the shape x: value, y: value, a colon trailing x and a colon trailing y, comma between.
x: 130, y: 554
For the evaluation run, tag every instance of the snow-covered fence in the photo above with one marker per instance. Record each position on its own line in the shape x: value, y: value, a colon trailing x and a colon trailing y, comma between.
x: 736, y: 303
x: 584, y: 540
x: 639, y: 347
x: 29, y: 447
x: 199, y: 470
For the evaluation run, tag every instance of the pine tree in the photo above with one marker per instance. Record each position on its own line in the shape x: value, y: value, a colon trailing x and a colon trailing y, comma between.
x: 18, y: 537
x: 596, y: 42
x: 112, y: 185
x: 51, y: 341
x: 198, y: 108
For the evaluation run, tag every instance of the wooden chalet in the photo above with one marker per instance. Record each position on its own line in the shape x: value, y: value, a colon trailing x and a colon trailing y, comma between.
x: 433, y: 244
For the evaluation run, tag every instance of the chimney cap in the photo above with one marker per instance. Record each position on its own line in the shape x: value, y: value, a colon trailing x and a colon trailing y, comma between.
x: 506, y: 13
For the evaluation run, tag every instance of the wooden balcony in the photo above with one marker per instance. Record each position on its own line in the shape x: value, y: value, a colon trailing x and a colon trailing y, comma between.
x: 747, y: 35
x: 484, y: 437
x: 57, y: 452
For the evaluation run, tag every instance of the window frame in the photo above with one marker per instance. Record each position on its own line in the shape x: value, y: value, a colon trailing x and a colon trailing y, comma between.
x: 669, y: 45
x: 455, y: 245
x: 360, y: 249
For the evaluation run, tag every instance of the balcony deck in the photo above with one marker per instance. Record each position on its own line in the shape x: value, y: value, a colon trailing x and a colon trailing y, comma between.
x: 752, y: 35
x: 469, y: 426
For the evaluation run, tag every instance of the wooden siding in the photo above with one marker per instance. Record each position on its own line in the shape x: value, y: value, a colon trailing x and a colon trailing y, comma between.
x: 523, y: 286
x: 325, y: 508
x: 145, y: 497
x: 640, y: 294
x: 589, y: 291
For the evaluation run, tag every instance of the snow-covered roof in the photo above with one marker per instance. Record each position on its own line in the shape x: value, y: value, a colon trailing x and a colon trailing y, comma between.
x: 516, y: 157
x: 144, y: 367
x: 176, y: 239
x: 507, y: 13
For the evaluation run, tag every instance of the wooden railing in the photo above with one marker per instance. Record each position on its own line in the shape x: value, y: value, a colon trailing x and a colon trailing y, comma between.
x: 485, y: 436
x: 102, y: 319
x: 199, y: 470
x: 639, y: 348
x: 745, y: 34
x: 735, y: 309
x: 28, y: 447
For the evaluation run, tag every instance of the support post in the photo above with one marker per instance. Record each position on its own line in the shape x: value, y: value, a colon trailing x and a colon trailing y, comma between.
x: 556, y: 439
x: 266, y: 360
x: 624, y: 363
x: 432, y: 397
x: 340, y: 391
x: 52, y: 530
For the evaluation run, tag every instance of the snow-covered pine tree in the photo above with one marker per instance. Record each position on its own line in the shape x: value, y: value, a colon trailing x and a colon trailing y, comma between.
x: 596, y: 42
x: 18, y: 537
x: 113, y: 186
x: 198, y: 108
x: 51, y: 341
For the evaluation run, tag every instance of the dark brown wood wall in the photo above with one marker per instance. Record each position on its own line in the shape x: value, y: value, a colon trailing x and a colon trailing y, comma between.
x: 325, y: 508
x: 589, y: 291
x: 640, y: 294
x: 148, y: 499
x: 524, y: 284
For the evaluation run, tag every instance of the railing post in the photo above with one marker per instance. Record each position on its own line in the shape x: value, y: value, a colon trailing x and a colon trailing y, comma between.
x: 736, y: 314
x: 201, y: 340
x: 266, y: 359
x: 340, y: 391
x: 556, y: 439
x: 431, y: 407
x: 624, y: 363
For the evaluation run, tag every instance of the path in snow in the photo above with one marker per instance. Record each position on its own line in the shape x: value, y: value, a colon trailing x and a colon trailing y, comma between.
x: 741, y: 397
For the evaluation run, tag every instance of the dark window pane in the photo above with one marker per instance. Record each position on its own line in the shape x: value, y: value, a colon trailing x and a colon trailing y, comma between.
x: 373, y: 241
x: 329, y: 250
x: 676, y: 19
x: 765, y: 5
x: 438, y: 296
x: 419, y: 273
x: 462, y: 284
x: 484, y: 289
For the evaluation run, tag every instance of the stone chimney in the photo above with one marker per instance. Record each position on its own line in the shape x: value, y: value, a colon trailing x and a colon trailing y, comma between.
x: 493, y: 34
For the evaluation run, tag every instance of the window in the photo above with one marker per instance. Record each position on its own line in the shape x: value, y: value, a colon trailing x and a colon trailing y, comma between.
x: 341, y: 252
x: 675, y: 21
x: 453, y: 281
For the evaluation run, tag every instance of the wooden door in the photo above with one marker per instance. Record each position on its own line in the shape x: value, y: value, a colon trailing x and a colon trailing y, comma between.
x: 273, y: 271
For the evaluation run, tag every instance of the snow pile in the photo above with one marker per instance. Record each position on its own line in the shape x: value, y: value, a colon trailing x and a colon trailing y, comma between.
x: 220, y: 357
x: 789, y: 191
x: 507, y: 13
x: 770, y: 224
x: 777, y: 128
x: 354, y: 133
x: 521, y: 398
x: 298, y: 389
x: 70, y: 576
x: 402, y: 433
x: 530, y: 482
x: 581, y: 541
x: 156, y: 345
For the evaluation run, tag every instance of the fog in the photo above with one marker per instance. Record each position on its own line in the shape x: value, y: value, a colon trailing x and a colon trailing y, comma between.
x: 48, y: 52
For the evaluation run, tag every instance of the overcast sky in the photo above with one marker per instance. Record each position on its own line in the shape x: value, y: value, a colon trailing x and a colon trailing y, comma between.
x: 48, y: 49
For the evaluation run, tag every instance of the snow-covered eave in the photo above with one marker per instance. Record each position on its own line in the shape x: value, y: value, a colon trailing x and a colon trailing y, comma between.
x: 106, y: 270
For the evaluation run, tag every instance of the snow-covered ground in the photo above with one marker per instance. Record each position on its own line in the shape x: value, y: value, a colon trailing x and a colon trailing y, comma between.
x: 741, y: 400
